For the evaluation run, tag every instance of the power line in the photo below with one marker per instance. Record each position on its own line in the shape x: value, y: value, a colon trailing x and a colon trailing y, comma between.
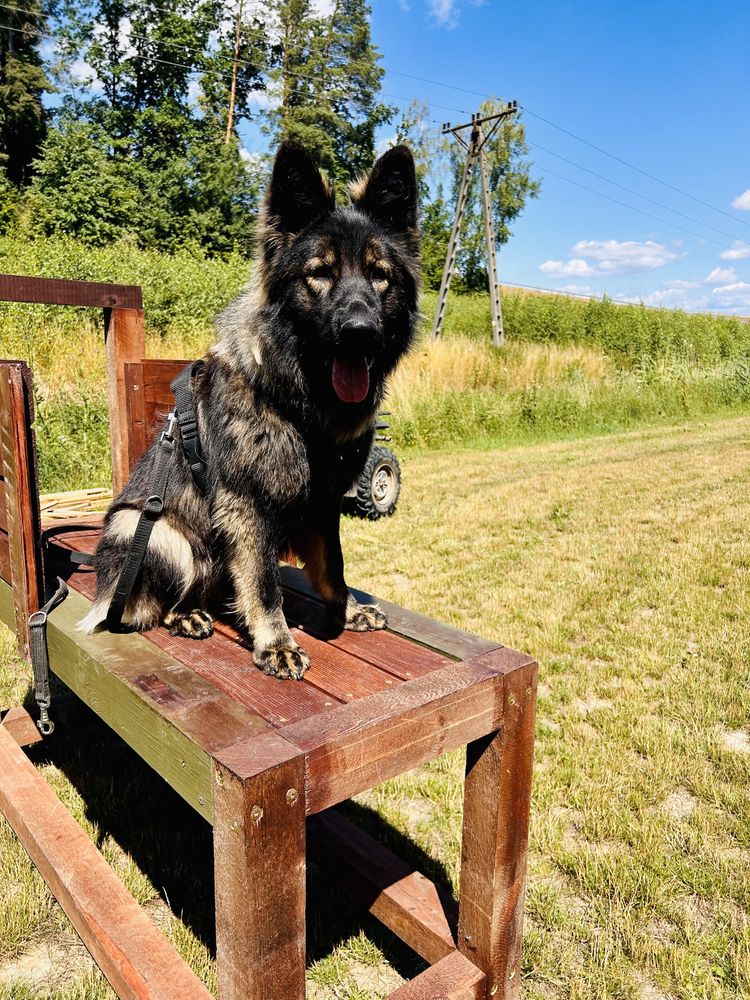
x: 632, y: 166
x: 622, y: 187
x: 640, y: 211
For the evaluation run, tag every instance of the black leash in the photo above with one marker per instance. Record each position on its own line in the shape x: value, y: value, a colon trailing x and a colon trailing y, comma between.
x: 185, y: 417
x: 139, y: 542
x: 40, y: 656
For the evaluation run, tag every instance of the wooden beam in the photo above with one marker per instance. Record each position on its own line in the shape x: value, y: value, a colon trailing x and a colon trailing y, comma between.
x: 130, y: 950
x: 170, y: 716
x: 452, y: 978
x: 356, y: 746
x: 21, y: 726
x: 494, y: 848
x: 61, y: 292
x: 259, y: 870
x: 124, y: 343
x: 21, y: 497
x: 401, y: 898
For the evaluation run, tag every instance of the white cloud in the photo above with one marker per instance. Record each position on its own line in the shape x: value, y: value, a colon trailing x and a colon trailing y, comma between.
x: 575, y: 268
x: 721, y: 276
x: 615, y: 257
x: 263, y: 99
x: 605, y: 257
x: 734, y: 297
x: 738, y: 251
x: 676, y: 295
x: 742, y: 201
x: 576, y: 289
x: 322, y: 8
x: 683, y: 283
x: 443, y: 12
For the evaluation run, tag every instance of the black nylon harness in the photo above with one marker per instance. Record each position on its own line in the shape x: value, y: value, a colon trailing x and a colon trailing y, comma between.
x: 184, y: 416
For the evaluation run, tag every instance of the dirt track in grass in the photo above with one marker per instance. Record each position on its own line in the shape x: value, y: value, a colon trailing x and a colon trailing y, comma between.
x: 622, y: 563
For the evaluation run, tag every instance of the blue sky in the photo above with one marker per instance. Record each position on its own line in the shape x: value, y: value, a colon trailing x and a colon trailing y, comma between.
x: 663, y: 85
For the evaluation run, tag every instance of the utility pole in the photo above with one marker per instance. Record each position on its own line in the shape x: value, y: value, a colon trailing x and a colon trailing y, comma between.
x: 474, y: 147
x: 233, y: 88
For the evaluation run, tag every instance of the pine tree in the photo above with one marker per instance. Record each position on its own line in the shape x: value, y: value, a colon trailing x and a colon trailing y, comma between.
x: 22, y: 84
x: 326, y: 75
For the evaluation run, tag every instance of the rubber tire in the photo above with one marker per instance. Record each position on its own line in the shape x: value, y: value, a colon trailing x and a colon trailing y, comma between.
x: 365, y: 504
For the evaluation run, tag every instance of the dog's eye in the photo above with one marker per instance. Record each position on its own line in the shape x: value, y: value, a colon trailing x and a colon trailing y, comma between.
x: 380, y: 276
x: 323, y: 272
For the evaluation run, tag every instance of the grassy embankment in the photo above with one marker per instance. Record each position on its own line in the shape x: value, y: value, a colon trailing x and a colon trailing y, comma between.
x: 570, y: 367
x: 622, y: 562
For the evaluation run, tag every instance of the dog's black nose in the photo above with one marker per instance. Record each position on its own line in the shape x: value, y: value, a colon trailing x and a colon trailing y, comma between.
x: 358, y: 325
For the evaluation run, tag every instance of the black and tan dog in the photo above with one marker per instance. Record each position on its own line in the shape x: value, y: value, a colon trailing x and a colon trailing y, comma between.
x: 286, y: 407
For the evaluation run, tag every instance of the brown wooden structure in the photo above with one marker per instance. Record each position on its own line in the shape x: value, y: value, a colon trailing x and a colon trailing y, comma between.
x: 265, y: 761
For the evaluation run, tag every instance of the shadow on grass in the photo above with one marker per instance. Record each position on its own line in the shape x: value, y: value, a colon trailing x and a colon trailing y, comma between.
x: 172, y: 845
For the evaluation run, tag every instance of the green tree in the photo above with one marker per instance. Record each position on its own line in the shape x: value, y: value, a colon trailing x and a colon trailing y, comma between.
x: 77, y: 188
x: 163, y: 74
x: 325, y: 72
x: 22, y: 84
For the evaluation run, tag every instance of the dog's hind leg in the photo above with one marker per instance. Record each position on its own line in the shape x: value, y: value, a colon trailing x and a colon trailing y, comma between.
x: 192, y: 623
x: 169, y: 571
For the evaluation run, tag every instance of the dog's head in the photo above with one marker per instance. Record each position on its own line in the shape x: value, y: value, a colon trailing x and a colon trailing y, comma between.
x: 344, y: 280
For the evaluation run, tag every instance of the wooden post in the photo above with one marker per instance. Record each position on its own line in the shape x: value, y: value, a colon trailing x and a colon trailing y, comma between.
x: 21, y: 495
x: 498, y: 335
x: 497, y: 796
x: 125, y: 343
x: 474, y: 147
x: 259, y: 870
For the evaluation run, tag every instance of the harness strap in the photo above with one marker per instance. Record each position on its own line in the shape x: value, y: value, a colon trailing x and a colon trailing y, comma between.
x: 139, y: 542
x: 188, y: 421
x: 77, y: 558
x: 40, y: 656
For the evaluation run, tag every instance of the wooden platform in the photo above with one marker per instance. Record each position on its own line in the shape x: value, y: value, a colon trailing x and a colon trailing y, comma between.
x: 265, y: 761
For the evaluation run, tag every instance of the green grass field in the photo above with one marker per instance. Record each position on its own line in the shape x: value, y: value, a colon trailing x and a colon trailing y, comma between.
x: 622, y: 563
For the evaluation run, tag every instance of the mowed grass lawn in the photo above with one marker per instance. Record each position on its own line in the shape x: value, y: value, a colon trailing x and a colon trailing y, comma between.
x: 623, y: 564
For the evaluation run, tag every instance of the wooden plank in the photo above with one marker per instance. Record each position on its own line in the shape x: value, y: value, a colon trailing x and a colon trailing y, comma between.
x: 392, y: 653
x: 404, y: 900
x: 130, y: 950
x: 435, y: 635
x: 19, y: 723
x: 21, y: 498
x: 337, y: 673
x: 497, y: 797
x: 134, y: 407
x: 259, y: 871
x: 361, y: 744
x: 172, y: 718
x: 124, y: 342
x: 452, y: 978
x: 61, y: 292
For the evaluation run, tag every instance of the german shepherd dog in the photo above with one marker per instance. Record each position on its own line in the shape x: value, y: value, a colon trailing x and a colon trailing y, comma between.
x: 286, y: 406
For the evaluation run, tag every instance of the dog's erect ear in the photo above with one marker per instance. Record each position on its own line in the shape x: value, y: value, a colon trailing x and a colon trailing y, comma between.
x: 389, y: 194
x: 297, y: 194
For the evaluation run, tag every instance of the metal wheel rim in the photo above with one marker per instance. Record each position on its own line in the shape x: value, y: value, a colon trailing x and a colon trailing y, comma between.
x: 384, y: 485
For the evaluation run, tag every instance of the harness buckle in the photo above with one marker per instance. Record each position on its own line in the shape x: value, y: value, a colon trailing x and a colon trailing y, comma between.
x: 38, y: 619
x: 167, y: 435
x: 154, y: 504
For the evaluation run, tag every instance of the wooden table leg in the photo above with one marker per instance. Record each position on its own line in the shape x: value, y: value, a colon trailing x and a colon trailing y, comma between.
x: 259, y: 870
x: 495, y: 839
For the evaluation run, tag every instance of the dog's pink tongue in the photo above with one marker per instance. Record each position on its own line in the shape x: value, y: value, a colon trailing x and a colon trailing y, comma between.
x: 351, y: 380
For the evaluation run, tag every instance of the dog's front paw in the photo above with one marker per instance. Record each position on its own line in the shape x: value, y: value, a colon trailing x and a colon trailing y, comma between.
x: 286, y: 662
x: 364, y: 617
x: 195, y: 624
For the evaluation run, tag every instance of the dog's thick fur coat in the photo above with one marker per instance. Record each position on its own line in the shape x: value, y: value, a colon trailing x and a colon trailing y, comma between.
x: 286, y: 407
